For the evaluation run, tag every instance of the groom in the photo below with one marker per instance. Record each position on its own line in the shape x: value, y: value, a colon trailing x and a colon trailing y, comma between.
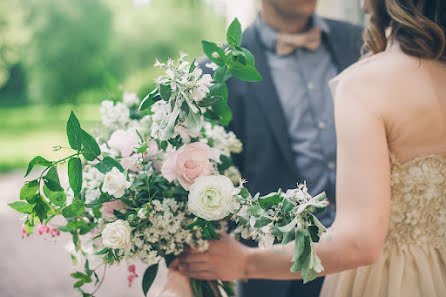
x: 286, y: 121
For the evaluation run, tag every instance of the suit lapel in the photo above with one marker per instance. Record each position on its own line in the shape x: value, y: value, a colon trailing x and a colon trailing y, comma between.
x: 268, y: 100
x: 340, y: 47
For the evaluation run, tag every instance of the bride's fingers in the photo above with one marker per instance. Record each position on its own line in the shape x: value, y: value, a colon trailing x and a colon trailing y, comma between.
x: 194, y: 258
x: 174, y: 265
x: 198, y: 274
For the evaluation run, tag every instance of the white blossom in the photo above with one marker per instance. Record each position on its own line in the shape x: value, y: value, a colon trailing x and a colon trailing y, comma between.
x: 115, y: 183
x: 116, y: 235
x: 210, y: 197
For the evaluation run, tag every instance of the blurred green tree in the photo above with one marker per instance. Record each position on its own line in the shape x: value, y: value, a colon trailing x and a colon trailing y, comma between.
x: 68, y: 52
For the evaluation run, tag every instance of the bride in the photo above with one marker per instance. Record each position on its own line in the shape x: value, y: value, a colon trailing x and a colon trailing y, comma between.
x: 389, y: 236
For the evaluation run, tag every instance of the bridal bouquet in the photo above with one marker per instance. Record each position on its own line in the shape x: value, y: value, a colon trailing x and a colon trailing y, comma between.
x: 157, y: 177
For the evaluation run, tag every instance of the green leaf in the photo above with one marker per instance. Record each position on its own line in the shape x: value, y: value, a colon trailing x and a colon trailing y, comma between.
x: 245, y: 72
x: 29, y: 226
x: 29, y: 189
x: 41, y: 209
x: 219, y: 89
x: 102, y: 252
x: 225, y: 163
x: 90, y: 146
x: 287, y: 237
x: 165, y: 92
x: 234, y: 33
x: 262, y: 222
x: 74, y: 132
x: 215, y: 53
x: 223, y: 111
x: 194, y: 122
x: 32, y: 199
x: 76, y: 209
x: 58, y: 198
x: 289, y: 227
x: 75, y: 175
x: 192, y: 66
x: 256, y: 211
x: 148, y: 278
x: 107, y: 164
x: 148, y: 100
x: 249, y: 57
x: 244, y: 193
x: 287, y: 206
x: 209, y: 101
x: 268, y: 201
x: 37, y: 161
x: 21, y: 206
x: 52, y: 181
x: 222, y: 74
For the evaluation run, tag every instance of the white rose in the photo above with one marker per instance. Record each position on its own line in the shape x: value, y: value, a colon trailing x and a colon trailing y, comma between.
x: 115, y: 183
x: 211, y: 198
x: 116, y: 235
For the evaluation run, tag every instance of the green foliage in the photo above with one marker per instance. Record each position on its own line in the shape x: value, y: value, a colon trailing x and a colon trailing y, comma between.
x: 107, y: 164
x: 75, y: 209
x: 148, y: 278
x: 74, y: 132
x: 29, y: 189
x: 234, y: 34
x: 90, y: 147
x: 37, y: 161
x: 21, y: 207
x: 75, y: 175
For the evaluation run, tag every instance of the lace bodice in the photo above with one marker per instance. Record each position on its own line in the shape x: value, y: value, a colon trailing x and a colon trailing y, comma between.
x: 418, y: 204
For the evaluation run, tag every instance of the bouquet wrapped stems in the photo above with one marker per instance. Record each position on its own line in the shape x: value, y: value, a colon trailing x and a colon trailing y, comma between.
x: 202, y: 288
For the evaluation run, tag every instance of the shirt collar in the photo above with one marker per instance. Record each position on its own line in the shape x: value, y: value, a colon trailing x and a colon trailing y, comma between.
x: 268, y: 36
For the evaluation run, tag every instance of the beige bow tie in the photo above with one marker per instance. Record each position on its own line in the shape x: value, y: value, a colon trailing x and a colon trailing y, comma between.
x: 287, y: 43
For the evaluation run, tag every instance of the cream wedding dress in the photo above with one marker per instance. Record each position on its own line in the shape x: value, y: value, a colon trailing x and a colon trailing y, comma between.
x: 413, y: 260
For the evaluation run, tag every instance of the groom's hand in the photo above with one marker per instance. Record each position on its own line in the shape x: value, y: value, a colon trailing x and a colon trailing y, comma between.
x: 224, y: 260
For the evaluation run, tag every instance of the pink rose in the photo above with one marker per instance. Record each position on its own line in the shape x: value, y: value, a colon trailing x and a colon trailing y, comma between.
x: 131, y: 163
x: 151, y: 151
x: 123, y: 142
x: 108, y: 207
x: 189, y: 162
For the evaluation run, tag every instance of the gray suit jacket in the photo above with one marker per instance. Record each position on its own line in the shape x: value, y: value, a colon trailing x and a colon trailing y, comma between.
x: 258, y: 121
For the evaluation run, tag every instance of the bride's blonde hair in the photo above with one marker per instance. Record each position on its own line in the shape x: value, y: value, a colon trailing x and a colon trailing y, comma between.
x: 419, y: 27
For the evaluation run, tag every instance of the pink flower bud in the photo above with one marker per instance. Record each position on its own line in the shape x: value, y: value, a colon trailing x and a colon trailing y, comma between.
x: 131, y: 278
x: 43, y: 229
x: 132, y: 268
x: 55, y: 232
x: 24, y: 231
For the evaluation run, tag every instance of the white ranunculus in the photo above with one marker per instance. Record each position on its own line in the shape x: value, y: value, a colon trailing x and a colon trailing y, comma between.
x: 115, y: 183
x: 116, y: 235
x: 210, y: 197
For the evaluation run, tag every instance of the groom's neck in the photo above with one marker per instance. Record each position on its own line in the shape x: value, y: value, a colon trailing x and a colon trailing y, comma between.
x: 282, y: 21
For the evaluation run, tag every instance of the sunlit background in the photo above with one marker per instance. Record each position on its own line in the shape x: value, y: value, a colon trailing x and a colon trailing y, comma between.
x: 62, y: 55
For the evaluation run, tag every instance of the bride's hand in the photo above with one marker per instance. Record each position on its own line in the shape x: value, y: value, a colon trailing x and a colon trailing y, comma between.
x: 224, y: 260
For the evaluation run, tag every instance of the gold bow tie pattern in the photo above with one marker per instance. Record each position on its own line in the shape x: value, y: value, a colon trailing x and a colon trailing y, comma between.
x: 287, y: 43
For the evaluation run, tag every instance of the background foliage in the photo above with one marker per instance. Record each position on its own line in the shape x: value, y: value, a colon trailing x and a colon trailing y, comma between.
x: 62, y: 55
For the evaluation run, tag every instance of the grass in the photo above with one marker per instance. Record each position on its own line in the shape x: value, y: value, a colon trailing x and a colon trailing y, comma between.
x: 29, y: 131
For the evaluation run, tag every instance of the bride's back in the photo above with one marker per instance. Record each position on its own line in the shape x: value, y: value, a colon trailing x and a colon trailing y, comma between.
x: 409, y: 94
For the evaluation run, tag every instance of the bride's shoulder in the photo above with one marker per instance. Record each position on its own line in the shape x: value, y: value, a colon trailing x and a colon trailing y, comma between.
x: 376, y: 77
